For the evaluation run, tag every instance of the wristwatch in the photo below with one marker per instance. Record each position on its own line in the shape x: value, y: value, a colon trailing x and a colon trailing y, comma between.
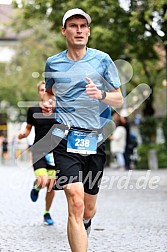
x: 103, y: 95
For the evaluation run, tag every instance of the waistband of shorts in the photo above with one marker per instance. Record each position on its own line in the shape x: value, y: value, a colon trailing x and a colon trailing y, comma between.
x: 65, y: 127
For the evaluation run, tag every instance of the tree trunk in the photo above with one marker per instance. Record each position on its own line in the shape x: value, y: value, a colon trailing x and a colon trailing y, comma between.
x: 148, y: 106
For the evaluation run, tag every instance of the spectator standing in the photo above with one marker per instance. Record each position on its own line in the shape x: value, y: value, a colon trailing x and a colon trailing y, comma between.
x: 127, y: 153
x: 5, y: 152
x: 118, y: 142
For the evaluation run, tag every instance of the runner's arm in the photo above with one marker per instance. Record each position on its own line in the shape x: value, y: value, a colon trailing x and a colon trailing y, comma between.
x: 48, y: 104
x: 113, y: 99
x: 25, y: 132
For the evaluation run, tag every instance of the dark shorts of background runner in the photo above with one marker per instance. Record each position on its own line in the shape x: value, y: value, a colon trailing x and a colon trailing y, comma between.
x: 42, y: 164
x: 73, y: 167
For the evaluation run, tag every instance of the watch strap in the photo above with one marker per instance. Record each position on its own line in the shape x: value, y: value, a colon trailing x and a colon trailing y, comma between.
x: 103, y: 95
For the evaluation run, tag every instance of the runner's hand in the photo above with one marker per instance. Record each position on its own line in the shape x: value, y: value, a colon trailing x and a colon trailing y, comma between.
x: 21, y: 135
x: 92, y: 90
x: 47, y: 107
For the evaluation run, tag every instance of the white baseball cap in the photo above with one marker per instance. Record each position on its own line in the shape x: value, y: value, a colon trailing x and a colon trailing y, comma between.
x: 76, y: 11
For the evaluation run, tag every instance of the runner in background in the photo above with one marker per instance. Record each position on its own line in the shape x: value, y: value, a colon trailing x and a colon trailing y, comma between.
x: 44, y: 168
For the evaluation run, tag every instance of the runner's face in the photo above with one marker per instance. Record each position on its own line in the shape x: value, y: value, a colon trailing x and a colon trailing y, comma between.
x: 76, y: 32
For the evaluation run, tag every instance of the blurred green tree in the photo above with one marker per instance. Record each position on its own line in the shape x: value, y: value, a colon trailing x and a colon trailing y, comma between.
x: 20, y: 76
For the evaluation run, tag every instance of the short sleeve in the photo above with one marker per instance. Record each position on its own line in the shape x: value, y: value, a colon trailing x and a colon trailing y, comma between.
x: 111, y: 74
x: 48, y: 76
x: 30, y: 119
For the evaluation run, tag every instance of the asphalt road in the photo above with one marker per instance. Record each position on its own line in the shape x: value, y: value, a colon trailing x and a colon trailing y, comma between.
x: 131, y: 213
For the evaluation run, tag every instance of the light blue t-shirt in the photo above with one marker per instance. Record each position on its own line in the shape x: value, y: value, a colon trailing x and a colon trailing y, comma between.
x: 67, y: 80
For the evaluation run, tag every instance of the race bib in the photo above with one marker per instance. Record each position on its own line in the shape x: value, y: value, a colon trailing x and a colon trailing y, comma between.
x: 82, y: 142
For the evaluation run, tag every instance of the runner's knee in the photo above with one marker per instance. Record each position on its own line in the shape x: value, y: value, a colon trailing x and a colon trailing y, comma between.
x: 75, y: 197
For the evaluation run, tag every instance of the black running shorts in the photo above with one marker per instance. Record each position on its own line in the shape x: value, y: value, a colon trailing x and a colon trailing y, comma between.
x: 42, y: 164
x: 73, y: 167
